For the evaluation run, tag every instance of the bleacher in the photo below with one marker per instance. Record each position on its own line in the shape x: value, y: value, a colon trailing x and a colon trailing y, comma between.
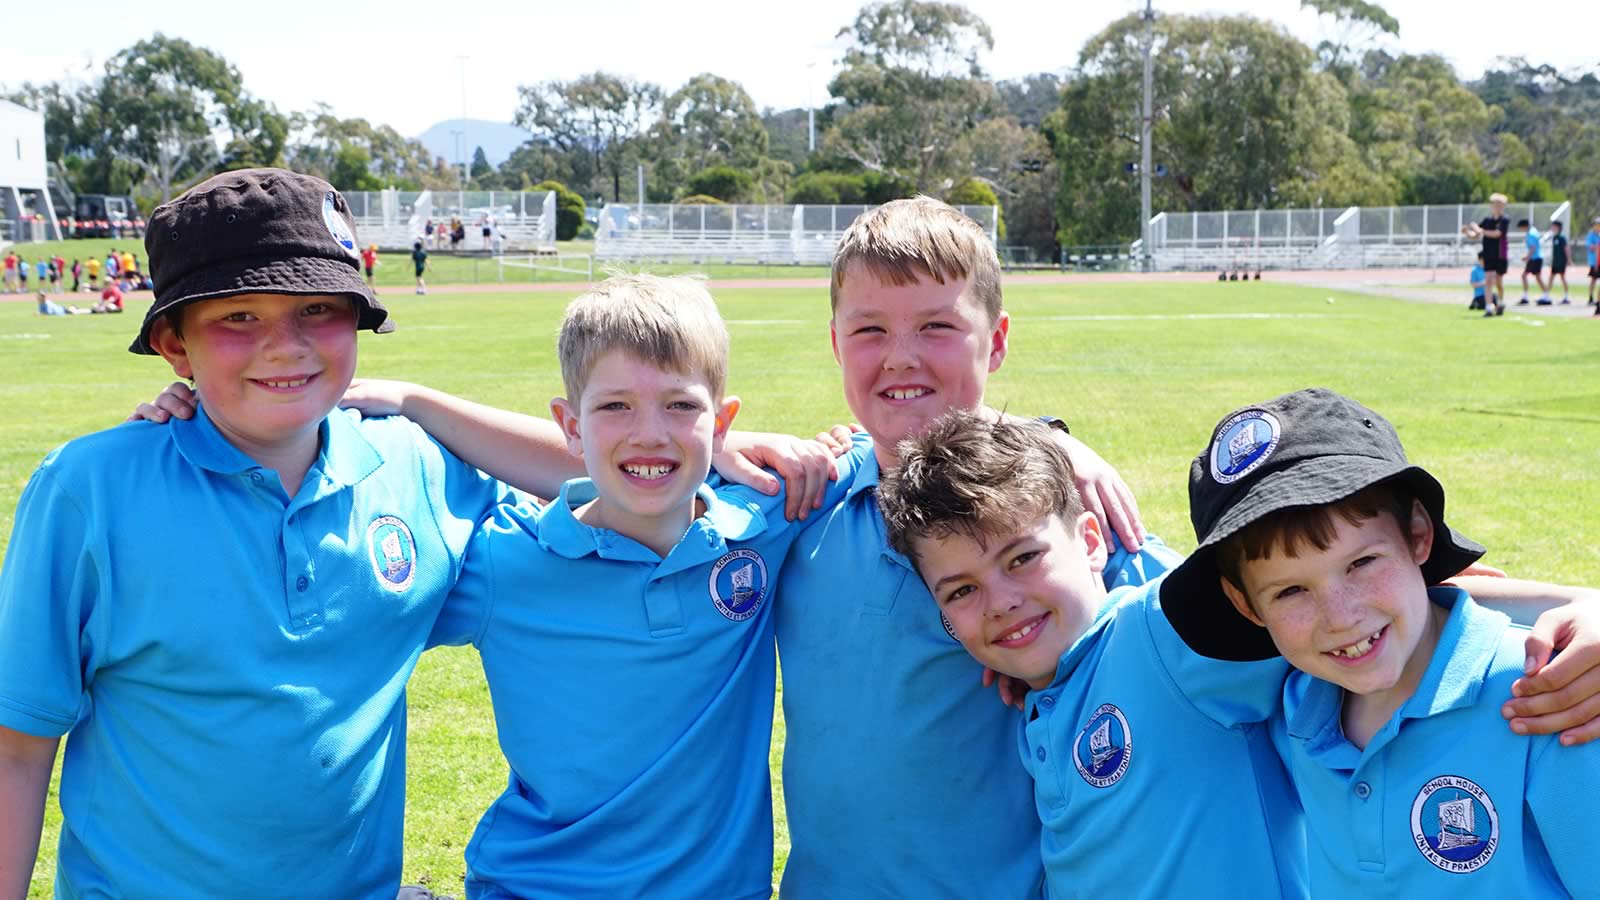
x: 525, y: 221
x: 1345, y: 238
x: 762, y: 235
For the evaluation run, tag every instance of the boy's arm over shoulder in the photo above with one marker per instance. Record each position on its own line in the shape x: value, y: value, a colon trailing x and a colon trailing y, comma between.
x: 1229, y: 693
x: 1131, y: 568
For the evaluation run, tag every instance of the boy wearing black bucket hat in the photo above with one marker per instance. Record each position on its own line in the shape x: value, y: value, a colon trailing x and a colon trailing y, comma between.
x: 1319, y: 540
x: 224, y: 621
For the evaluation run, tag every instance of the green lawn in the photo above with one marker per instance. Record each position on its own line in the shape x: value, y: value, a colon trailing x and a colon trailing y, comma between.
x: 395, y: 269
x: 1506, y: 412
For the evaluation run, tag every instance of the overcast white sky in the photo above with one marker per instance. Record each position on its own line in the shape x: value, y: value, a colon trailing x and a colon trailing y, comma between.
x: 397, y: 62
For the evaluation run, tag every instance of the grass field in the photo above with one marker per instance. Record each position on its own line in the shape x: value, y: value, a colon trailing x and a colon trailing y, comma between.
x: 1506, y: 412
x: 395, y: 269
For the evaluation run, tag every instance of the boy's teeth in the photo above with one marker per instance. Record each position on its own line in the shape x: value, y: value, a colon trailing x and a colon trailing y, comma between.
x: 1021, y: 633
x: 906, y: 393
x: 1360, y: 647
x: 286, y: 384
x: 649, y: 473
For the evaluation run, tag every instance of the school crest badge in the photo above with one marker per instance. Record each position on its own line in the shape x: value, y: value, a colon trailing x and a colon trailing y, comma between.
x: 1242, y: 444
x: 1454, y: 824
x: 1104, y: 747
x: 739, y: 585
x: 338, y: 227
x: 392, y: 552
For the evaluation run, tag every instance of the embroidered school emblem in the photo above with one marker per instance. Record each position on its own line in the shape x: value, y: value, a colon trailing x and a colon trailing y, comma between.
x: 1242, y: 444
x: 1104, y: 747
x: 393, y: 553
x: 1454, y: 824
x: 739, y: 584
x: 338, y: 227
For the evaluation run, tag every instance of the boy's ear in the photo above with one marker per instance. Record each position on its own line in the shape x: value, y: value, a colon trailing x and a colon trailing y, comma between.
x: 166, y: 342
x: 566, y: 418
x: 725, y: 413
x: 833, y: 338
x: 1420, y: 532
x: 998, y: 340
x: 1240, y: 601
x: 1094, y: 541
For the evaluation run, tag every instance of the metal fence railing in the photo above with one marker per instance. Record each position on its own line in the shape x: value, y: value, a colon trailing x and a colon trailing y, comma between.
x: 1346, y: 237
x: 787, y: 233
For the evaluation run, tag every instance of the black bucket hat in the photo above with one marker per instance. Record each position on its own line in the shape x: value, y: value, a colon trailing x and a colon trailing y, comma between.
x: 256, y: 231
x: 1309, y: 448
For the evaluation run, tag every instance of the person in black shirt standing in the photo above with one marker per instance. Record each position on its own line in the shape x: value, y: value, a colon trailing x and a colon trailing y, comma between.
x: 1558, y: 259
x: 1494, y: 231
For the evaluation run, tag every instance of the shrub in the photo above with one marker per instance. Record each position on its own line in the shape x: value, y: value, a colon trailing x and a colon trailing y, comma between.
x: 570, y: 209
x: 827, y: 188
x: 701, y: 200
x: 725, y: 183
x: 972, y: 192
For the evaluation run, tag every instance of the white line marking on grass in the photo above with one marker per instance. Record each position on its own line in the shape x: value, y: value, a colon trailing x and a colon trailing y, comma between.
x: 26, y: 337
x: 1177, y: 316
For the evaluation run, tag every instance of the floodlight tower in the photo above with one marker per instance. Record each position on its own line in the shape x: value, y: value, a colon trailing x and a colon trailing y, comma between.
x: 1145, y: 122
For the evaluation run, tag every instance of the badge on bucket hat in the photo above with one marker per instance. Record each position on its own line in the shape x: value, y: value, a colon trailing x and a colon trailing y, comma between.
x: 337, y: 226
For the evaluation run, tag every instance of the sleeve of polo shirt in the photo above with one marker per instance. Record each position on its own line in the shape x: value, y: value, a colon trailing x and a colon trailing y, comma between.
x: 47, y: 590
x: 1561, y: 799
x: 1131, y: 569
x: 1229, y: 693
x: 465, y: 612
x: 462, y: 495
x: 847, y: 466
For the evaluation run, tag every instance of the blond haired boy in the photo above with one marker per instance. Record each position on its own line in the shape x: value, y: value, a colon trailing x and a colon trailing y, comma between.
x: 626, y: 628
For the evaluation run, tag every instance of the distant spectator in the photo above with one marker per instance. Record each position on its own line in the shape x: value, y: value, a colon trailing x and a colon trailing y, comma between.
x: 419, y: 257
x: 11, y: 261
x: 77, y: 275
x: 93, y: 266
x: 1495, y: 231
x: 113, y: 264
x: 42, y: 268
x: 110, y: 300
x: 126, y: 263
x: 1479, y: 280
x: 369, y: 261
x: 1592, y: 244
x: 488, y: 230
x: 61, y: 268
x: 1534, y: 264
x: 52, y: 273
x: 428, y: 234
x: 1558, y: 260
x: 48, y: 307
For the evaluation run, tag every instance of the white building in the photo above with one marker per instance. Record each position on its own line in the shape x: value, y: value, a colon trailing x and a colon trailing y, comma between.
x: 24, y: 193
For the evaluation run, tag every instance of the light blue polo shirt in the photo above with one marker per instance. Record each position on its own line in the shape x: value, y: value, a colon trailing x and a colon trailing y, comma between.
x: 1445, y: 801
x: 229, y: 665
x: 900, y: 770
x: 1592, y: 242
x: 1153, y: 766
x: 1532, y: 243
x: 633, y: 697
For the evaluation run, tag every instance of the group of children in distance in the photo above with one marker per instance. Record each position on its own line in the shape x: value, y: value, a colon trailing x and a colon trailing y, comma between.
x: 237, y: 725
x: 1488, y: 274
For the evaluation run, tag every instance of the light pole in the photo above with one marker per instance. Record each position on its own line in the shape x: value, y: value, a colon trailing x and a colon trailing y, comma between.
x: 1149, y: 17
x: 461, y: 169
x: 811, y: 106
x: 461, y: 62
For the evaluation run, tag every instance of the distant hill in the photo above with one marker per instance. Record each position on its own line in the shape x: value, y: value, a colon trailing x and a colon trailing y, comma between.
x: 497, y: 139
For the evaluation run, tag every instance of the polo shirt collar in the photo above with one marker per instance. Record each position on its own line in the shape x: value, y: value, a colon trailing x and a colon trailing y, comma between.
x: 344, y: 456
x: 1080, y: 648
x: 865, y: 484
x: 1454, y: 677
x: 559, y: 530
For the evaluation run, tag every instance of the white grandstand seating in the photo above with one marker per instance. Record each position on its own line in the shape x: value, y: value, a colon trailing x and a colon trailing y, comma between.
x: 525, y: 220
x: 1350, y: 238
x: 764, y: 235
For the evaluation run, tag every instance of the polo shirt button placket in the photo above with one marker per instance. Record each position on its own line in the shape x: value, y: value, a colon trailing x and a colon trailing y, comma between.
x: 1039, y: 754
x: 1363, y: 790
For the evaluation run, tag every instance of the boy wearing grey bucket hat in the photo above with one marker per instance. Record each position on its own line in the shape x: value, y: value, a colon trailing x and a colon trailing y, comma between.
x: 1319, y: 540
x: 225, y: 620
